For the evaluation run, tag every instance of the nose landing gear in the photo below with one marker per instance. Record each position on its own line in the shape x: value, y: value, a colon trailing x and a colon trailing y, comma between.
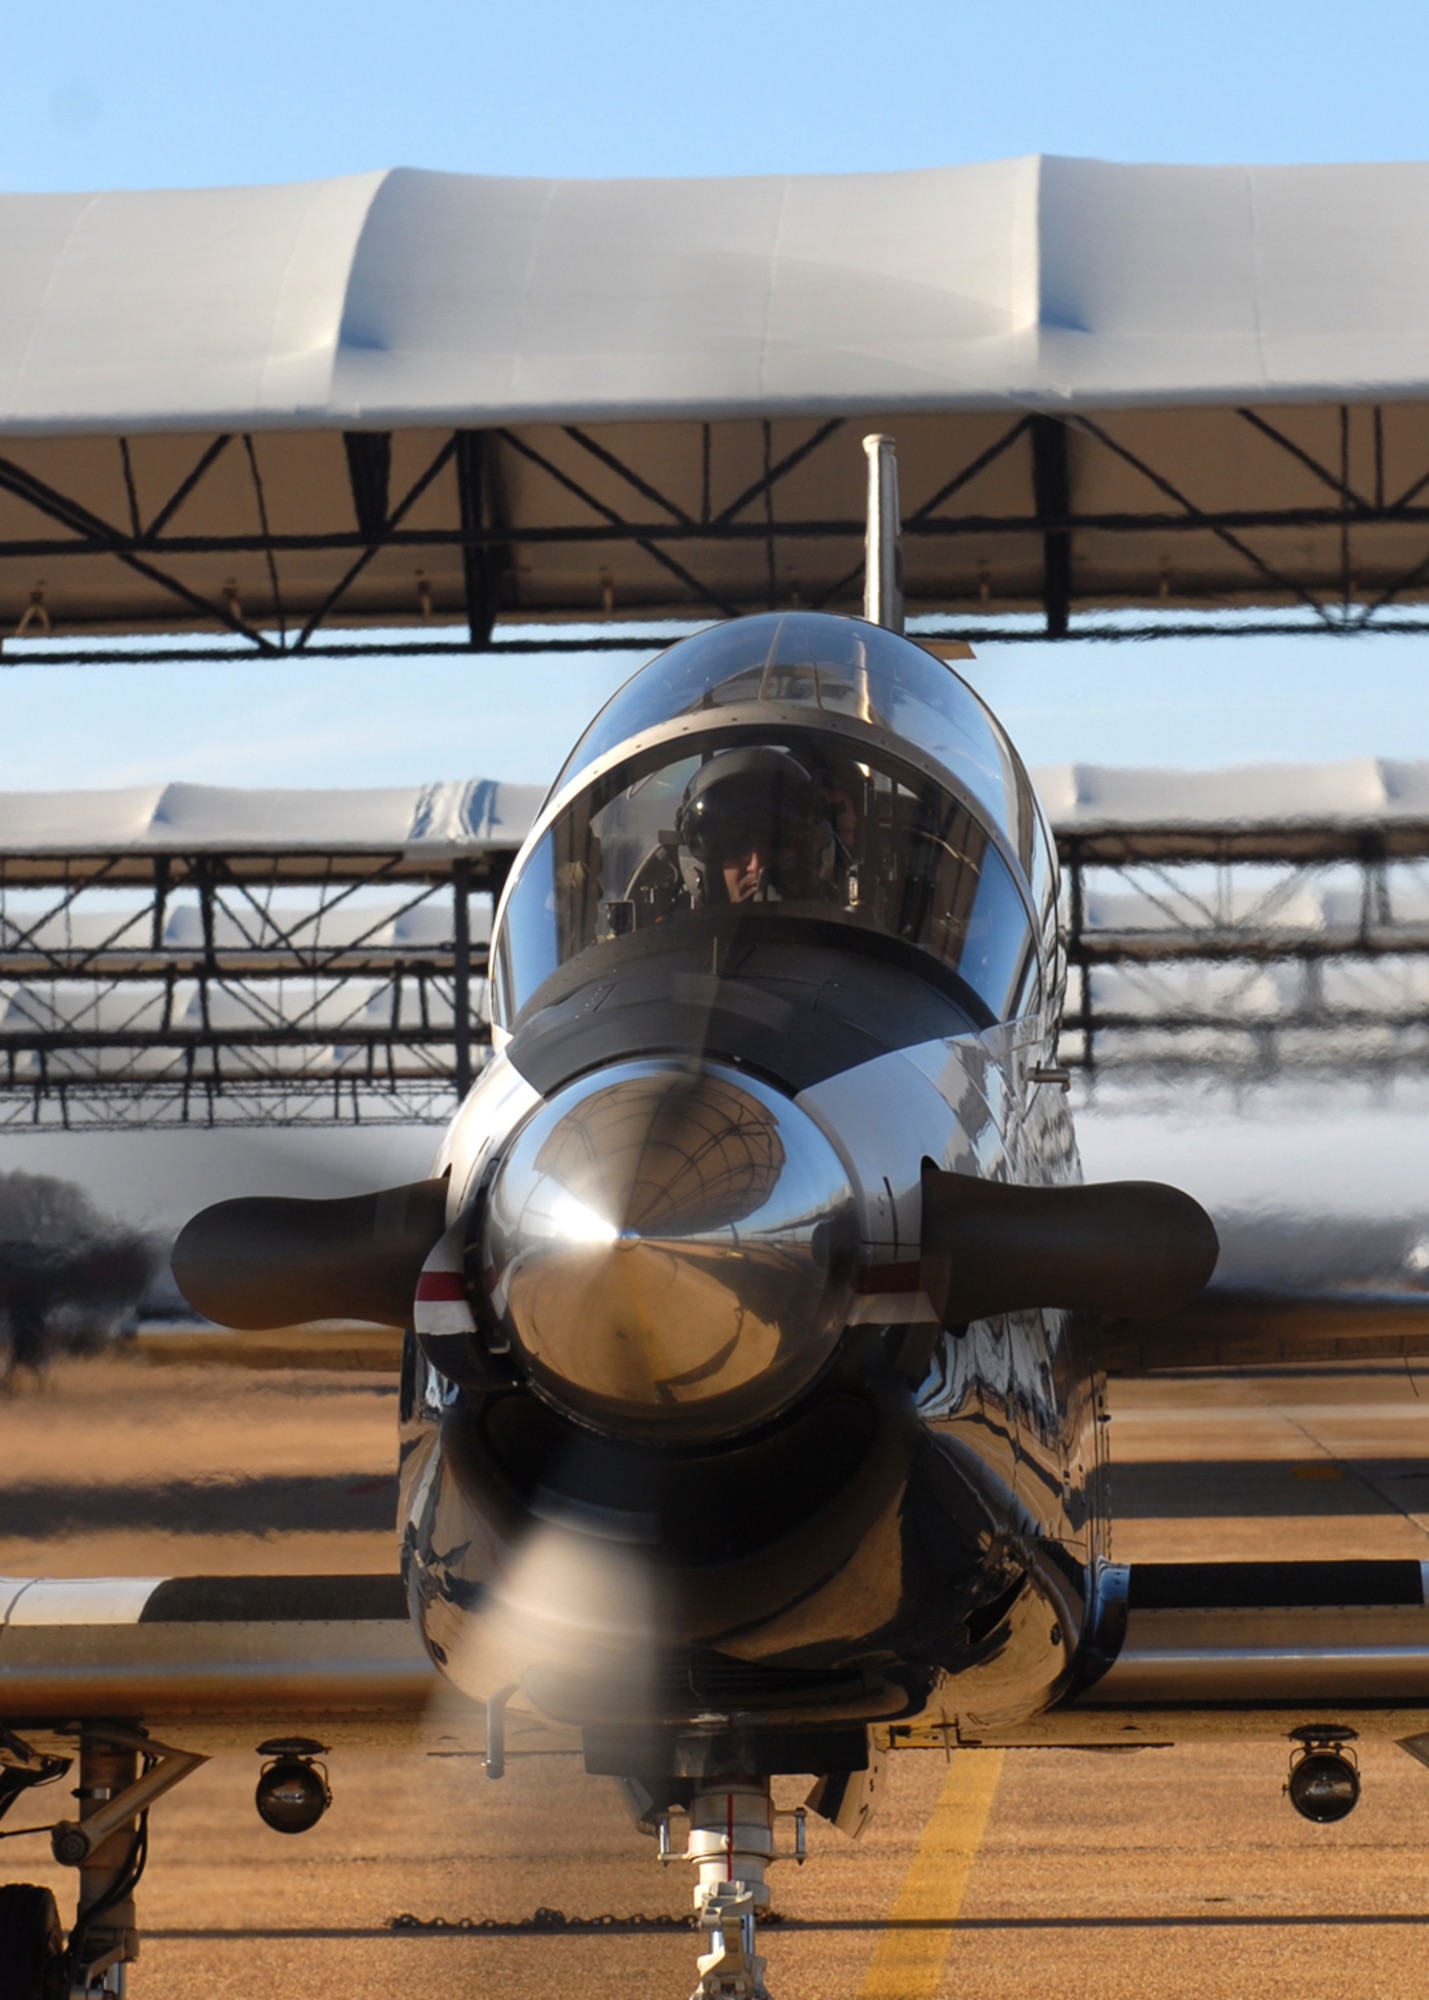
x: 731, y: 1844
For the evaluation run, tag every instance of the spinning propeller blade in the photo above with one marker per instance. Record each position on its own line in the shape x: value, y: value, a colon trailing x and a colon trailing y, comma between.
x: 1123, y: 1249
x: 266, y: 1261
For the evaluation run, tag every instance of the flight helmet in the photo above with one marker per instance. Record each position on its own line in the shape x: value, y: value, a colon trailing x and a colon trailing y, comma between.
x: 761, y: 798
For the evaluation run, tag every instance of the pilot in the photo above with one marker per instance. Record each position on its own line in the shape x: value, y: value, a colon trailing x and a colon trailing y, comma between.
x: 757, y: 829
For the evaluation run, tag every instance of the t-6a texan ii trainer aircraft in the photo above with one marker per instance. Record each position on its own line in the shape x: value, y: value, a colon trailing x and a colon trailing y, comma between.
x: 758, y: 1328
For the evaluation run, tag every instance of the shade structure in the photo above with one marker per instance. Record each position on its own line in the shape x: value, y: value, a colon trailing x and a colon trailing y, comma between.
x: 1365, y: 809
x: 439, y: 399
x: 1311, y: 812
x: 190, y: 953
x: 388, y: 832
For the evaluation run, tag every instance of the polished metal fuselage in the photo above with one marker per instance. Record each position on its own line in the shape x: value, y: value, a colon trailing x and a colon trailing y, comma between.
x: 915, y: 1537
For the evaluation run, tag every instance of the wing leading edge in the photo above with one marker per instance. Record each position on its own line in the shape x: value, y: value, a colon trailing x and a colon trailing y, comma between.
x: 227, y: 1660
x: 1246, y: 1328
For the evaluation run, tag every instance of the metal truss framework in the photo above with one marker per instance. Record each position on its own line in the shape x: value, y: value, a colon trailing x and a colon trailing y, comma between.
x: 242, y: 988
x: 1248, y: 950
x: 274, y: 543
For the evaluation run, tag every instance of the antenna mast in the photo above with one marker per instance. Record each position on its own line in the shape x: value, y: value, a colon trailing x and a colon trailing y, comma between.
x: 883, y: 549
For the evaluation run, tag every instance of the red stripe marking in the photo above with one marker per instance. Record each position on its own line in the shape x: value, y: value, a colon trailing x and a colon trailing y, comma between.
x: 435, y: 1286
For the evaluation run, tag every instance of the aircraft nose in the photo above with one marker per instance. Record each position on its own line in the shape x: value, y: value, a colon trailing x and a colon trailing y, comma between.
x: 670, y: 1247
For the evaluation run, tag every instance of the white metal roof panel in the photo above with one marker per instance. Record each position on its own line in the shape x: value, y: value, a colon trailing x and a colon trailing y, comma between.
x: 476, y: 815
x: 407, y: 298
x: 406, y: 397
x: 1360, y: 791
x: 469, y: 816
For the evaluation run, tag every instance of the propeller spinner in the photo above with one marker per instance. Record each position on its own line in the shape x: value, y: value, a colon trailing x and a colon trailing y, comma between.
x: 671, y: 1246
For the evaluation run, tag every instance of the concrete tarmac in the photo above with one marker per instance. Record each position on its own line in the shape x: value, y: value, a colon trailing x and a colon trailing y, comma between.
x: 1178, y: 1872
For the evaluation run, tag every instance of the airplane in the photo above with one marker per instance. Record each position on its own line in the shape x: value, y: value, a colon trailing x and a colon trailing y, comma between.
x: 757, y: 1332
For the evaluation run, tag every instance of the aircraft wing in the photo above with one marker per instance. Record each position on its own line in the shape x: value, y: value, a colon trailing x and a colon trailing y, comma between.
x: 1241, y: 1327
x: 225, y: 1661
x: 1289, y: 1287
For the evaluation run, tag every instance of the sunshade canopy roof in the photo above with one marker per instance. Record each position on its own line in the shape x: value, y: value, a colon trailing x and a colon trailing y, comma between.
x: 430, y: 825
x: 1362, y: 808
x: 1110, y: 385
x: 391, y: 831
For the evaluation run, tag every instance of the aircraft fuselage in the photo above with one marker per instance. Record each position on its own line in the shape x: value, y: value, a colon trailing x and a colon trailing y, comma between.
x: 686, y: 1441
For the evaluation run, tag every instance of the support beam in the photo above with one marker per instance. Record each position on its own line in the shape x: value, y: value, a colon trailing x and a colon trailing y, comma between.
x: 628, y: 521
x: 883, y: 549
x: 482, y: 566
x: 1052, y: 498
x: 461, y: 974
x: 369, y: 473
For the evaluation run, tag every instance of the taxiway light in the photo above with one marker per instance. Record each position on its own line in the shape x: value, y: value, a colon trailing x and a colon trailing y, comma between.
x: 293, y: 1792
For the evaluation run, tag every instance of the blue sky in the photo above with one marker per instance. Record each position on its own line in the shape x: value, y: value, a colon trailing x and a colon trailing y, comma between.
x: 1178, y: 702
x: 162, y: 94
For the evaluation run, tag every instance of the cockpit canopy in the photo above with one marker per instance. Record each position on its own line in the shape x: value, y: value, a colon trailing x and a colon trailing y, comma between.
x: 796, y: 767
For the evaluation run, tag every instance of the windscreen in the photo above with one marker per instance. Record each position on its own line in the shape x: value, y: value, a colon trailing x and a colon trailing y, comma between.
x: 795, y: 825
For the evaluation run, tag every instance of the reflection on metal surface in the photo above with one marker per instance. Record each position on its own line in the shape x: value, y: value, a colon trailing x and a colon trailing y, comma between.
x: 665, y: 1243
x: 308, y: 1670
x: 1320, y: 1653
x: 1271, y: 1632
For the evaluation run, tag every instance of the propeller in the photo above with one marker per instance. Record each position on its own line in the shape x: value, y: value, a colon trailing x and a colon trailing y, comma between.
x: 1122, y: 1249
x: 265, y: 1261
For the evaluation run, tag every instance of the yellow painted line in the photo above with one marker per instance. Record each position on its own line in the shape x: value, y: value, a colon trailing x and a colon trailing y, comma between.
x: 909, y: 1959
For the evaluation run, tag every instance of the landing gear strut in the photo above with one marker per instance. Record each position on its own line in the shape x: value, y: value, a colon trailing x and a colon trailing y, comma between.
x: 121, y: 1773
x: 105, y: 1936
x: 731, y: 1844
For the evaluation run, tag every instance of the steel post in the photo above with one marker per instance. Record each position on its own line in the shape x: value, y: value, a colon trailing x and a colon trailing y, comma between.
x: 461, y: 972
x: 883, y: 550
